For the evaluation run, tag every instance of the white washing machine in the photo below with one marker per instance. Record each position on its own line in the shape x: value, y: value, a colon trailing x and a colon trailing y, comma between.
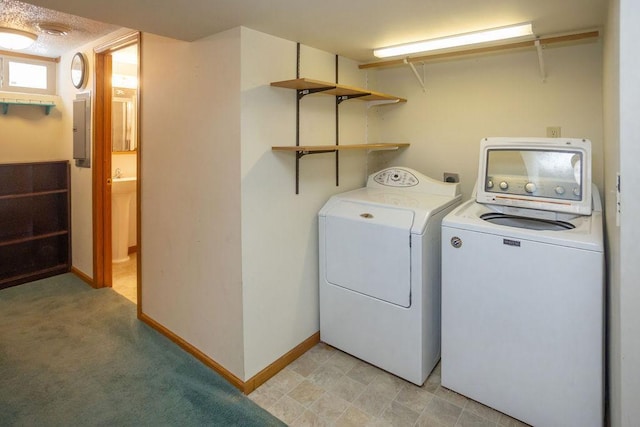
x: 523, y: 285
x: 379, y: 259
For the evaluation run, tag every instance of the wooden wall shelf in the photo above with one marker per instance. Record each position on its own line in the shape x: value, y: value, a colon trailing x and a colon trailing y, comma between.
x: 303, y: 87
x: 306, y: 86
x: 311, y: 149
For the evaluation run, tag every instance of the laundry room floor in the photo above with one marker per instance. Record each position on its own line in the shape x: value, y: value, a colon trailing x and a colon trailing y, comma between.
x: 326, y: 387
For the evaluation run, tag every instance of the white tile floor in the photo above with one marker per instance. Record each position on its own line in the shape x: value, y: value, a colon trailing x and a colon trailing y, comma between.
x: 326, y: 387
x: 125, y: 279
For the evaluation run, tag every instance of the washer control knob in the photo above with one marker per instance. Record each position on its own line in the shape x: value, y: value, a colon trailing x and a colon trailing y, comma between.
x: 530, y: 187
x: 576, y: 191
x: 559, y: 190
x: 504, y: 185
x: 490, y: 183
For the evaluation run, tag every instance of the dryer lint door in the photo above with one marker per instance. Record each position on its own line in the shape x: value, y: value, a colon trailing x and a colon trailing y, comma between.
x: 368, y: 250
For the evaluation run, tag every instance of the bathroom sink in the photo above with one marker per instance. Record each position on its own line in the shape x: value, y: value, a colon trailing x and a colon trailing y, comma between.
x: 123, y: 185
x: 122, y: 191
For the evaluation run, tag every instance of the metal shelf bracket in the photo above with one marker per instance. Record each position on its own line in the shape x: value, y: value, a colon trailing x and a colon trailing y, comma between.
x: 341, y: 98
x: 543, y: 74
x: 305, y: 92
x: 415, y: 73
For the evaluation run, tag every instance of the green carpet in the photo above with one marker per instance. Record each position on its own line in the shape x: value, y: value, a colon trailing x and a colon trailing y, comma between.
x: 71, y: 355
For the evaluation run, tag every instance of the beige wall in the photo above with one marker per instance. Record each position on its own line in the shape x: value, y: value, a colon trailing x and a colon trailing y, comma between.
x: 28, y: 135
x: 279, y: 228
x: 492, y: 95
x: 190, y: 196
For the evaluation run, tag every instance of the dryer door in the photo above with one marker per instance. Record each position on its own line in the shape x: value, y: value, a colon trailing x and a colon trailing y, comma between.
x: 368, y: 250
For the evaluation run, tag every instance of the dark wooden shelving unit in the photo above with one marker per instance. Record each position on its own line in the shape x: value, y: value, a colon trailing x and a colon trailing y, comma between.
x: 35, y: 232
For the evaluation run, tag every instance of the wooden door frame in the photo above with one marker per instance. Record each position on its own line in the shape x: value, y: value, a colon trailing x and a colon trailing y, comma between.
x: 102, y: 239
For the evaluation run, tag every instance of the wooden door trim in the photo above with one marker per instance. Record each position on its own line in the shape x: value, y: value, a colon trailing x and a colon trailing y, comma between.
x: 102, y: 276
x: 101, y: 171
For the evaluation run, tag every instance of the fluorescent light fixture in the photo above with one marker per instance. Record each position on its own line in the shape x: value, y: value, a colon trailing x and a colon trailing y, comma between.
x: 484, y: 36
x: 16, y: 39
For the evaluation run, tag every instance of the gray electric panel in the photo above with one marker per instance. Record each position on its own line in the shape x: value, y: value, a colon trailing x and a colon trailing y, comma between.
x: 81, y: 130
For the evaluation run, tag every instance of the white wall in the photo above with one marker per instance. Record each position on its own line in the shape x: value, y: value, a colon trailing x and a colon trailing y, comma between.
x: 492, y: 95
x: 629, y: 297
x: 279, y: 228
x: 217, y: 199
x: 190, y: 196
x: 81, y: 178
x: 622, y: 133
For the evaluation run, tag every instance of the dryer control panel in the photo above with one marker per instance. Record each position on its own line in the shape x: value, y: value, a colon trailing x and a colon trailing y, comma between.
x: 396, y: 177
x: 399, y: 179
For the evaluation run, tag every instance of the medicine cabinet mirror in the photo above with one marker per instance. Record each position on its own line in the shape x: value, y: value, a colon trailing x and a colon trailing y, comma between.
x: 123, y: 110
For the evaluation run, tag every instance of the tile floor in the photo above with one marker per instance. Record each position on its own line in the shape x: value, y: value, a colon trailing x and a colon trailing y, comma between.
x: 125, y: 280
x: 326, y: 387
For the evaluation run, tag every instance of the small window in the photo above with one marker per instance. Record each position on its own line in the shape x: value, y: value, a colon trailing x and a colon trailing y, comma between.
x: 27, y: 75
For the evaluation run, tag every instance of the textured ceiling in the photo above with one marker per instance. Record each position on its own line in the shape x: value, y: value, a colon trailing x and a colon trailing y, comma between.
x: 22, y: 16
x: 351, y: 28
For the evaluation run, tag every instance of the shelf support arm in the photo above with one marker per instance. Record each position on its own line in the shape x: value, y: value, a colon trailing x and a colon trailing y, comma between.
x: 300, y: 154
x: 415, y: 72
x: 341, y: 98
x: 304, y: 92
x: 543, y: 74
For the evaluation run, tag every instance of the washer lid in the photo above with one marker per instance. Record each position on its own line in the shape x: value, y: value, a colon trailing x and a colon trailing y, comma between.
x: 368, y: 250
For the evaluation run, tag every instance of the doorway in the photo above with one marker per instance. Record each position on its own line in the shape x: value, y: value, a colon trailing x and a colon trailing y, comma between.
x: 124, y: 170
x: 116, y: 167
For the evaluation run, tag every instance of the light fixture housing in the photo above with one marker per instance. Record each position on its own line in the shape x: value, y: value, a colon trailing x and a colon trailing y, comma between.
x: 16, y: 39
x: 54, y: 29
x: 466, y: 39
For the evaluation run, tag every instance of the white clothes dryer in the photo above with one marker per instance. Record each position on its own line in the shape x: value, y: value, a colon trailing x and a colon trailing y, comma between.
x: 523, y: 289
x: 379, y: 262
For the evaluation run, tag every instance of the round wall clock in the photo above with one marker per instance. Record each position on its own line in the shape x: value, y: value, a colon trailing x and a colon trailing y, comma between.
x: 78, y: 70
